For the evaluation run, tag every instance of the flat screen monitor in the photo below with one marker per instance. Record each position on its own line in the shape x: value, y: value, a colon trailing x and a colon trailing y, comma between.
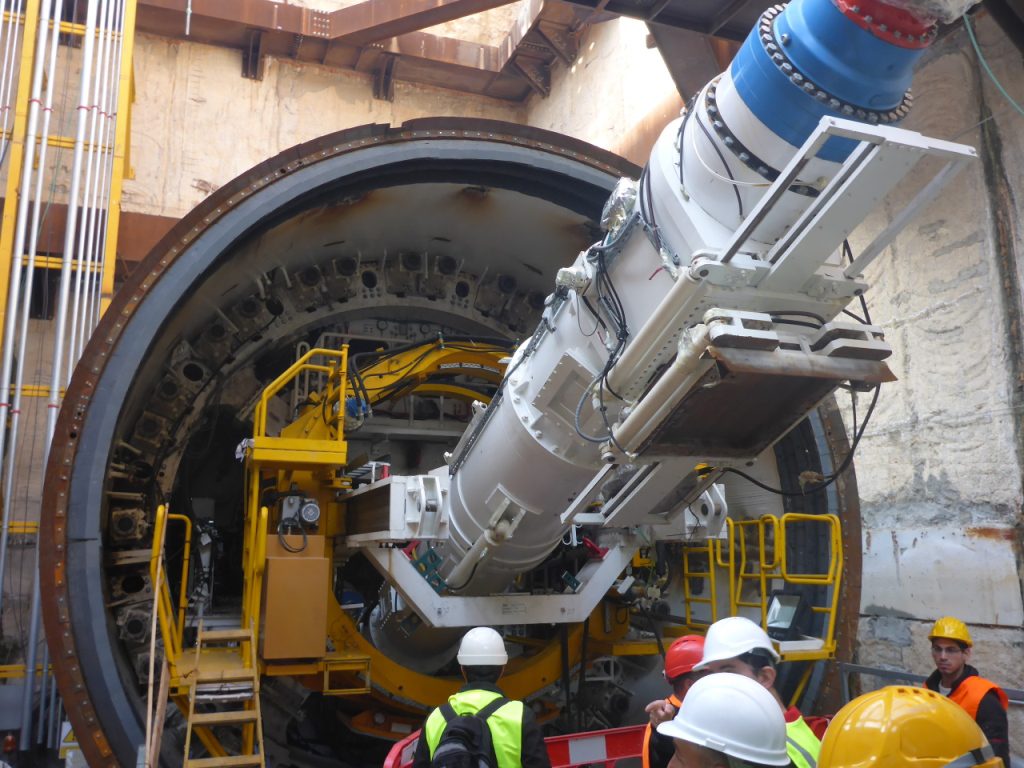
x: 787, y: 615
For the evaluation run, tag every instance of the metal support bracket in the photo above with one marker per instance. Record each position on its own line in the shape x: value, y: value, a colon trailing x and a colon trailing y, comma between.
x: 595, y: 579
x: 884, y: 156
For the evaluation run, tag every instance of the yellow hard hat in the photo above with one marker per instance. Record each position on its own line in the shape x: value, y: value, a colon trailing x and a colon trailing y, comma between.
x: 905, y: 727
x: 950, y: 628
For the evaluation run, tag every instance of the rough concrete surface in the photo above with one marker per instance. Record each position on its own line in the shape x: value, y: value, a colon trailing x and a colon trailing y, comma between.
x: 198, y: 123
x: 614, y: 83
x: 939, y: 468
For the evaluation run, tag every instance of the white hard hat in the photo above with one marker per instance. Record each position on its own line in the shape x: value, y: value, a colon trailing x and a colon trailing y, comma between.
x: 733, y: 714
x: 482, y: 647
x: 733, y: 636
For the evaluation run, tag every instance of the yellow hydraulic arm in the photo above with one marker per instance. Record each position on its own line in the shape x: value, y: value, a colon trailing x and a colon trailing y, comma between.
x: 434, y: 368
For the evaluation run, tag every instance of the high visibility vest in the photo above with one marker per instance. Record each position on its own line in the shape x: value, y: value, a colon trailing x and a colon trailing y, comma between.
x: 802, y: 745
x: 506, y: 725
x: 675, y: 702
x: 972, y: 690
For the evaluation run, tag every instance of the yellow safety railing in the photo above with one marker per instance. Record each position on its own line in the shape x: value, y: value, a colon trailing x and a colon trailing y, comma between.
x: 253, y: 568
x: 710, y: 579
x: 761, y: 569
x: 172, y: 624
x: 333, y: 364
x: 832, y: 577
x: 334, y: 392
x: 756, y: 552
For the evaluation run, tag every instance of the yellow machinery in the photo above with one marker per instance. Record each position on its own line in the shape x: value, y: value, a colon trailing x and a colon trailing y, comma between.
x: 299, y: 514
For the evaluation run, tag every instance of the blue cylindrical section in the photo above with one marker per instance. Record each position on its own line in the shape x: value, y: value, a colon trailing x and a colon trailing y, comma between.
x: 847, y: 61
x: 830, y: 51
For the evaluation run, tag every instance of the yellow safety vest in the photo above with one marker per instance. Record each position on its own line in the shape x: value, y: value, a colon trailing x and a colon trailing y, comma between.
x: 802, y: 745
x: 506, y: 724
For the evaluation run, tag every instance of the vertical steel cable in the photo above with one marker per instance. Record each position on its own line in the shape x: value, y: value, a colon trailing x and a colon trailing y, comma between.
x: 108, y: 140
x: 90, y: 108
x: 47, y: 109
x: 102, y: 109
x: 18, y: 249
x: 111, y: 141
x: 11, y: 38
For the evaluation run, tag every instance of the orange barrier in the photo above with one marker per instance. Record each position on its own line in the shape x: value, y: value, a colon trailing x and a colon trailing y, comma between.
x: 575, y: 749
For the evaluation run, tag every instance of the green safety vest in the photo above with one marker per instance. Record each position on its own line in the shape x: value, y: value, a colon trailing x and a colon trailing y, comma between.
x: 506, y: 724
x: 802, y: 745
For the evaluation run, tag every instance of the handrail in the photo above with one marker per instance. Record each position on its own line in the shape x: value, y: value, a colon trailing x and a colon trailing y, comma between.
x: 183, y: 591
x: 769, y: 567
x: 833, y: 575
x: 688, y: 597
x: 332, y: 394
x: 253, y: 575
x: 835, y: 556
x: 172, y: 627
x: 846, y: 669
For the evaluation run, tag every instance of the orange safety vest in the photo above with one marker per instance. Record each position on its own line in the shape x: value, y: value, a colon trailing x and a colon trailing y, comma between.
x: 675, y: 702
x: 972, y: 690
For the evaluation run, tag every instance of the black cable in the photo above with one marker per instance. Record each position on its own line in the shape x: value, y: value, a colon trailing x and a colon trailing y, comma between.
x: 608, y: 299
x: 281, y: 527
x: 848, y: 253
x: 831, y: 478
x: 801, y: 323
x: 682, y: 137
x: 858, y: 318
x: 593, y: 311
x: 736, y: 189
x: 469, y: 578
x: 798, y: 313
x: 654, y: 628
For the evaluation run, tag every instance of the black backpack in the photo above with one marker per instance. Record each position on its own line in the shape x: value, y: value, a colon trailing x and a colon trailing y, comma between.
x: 466, y: 740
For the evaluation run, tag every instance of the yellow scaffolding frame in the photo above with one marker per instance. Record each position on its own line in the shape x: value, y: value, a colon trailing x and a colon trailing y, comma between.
x: 733, y: 558
x: 29, y: 22
x: 16, y: 154
x: 290, y: 452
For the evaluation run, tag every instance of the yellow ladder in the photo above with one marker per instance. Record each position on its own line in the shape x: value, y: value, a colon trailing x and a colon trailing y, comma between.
x: 225, y: 676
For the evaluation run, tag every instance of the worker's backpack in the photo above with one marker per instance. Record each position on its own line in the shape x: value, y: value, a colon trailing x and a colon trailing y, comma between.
x: 466, y: 740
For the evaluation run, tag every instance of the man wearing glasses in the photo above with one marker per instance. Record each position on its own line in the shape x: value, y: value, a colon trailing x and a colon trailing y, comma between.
x: 954, y: 677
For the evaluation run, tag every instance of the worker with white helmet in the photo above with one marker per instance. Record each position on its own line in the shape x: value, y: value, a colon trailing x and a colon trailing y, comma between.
x: 954, y: 677
x: 515, y: 737
x: 727, y: 721
x: 738, y: 645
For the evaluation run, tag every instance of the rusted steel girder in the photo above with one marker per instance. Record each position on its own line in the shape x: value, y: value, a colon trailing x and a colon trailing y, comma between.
x: 374, y: 20
x: 350, y: 38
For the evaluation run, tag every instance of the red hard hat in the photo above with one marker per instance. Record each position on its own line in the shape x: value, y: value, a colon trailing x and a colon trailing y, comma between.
x: 683, y: 655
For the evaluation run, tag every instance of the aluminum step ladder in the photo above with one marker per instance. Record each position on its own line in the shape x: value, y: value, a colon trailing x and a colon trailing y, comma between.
x: 225, y: 683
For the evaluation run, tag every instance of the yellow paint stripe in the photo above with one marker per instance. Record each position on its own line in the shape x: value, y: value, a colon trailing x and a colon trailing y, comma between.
x: 55, y: 262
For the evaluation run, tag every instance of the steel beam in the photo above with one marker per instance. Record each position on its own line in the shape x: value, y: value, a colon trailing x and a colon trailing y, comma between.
x: 375, y: 20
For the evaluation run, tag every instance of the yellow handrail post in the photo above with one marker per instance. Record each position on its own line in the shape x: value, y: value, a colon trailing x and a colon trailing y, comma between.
x: 183, y: 590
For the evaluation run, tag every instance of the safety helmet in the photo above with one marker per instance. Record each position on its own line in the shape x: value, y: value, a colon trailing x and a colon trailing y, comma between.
x: 733, y: 636
x: 683, y: 655
x: 482, y: 647
x: 733, y: 714
x: 951, y: 628
x: 905, y: 727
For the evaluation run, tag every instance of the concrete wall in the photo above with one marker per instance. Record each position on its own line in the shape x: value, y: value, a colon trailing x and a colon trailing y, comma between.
x: 617, y: 86
x: 197, y: 123
x: 939, y: 468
